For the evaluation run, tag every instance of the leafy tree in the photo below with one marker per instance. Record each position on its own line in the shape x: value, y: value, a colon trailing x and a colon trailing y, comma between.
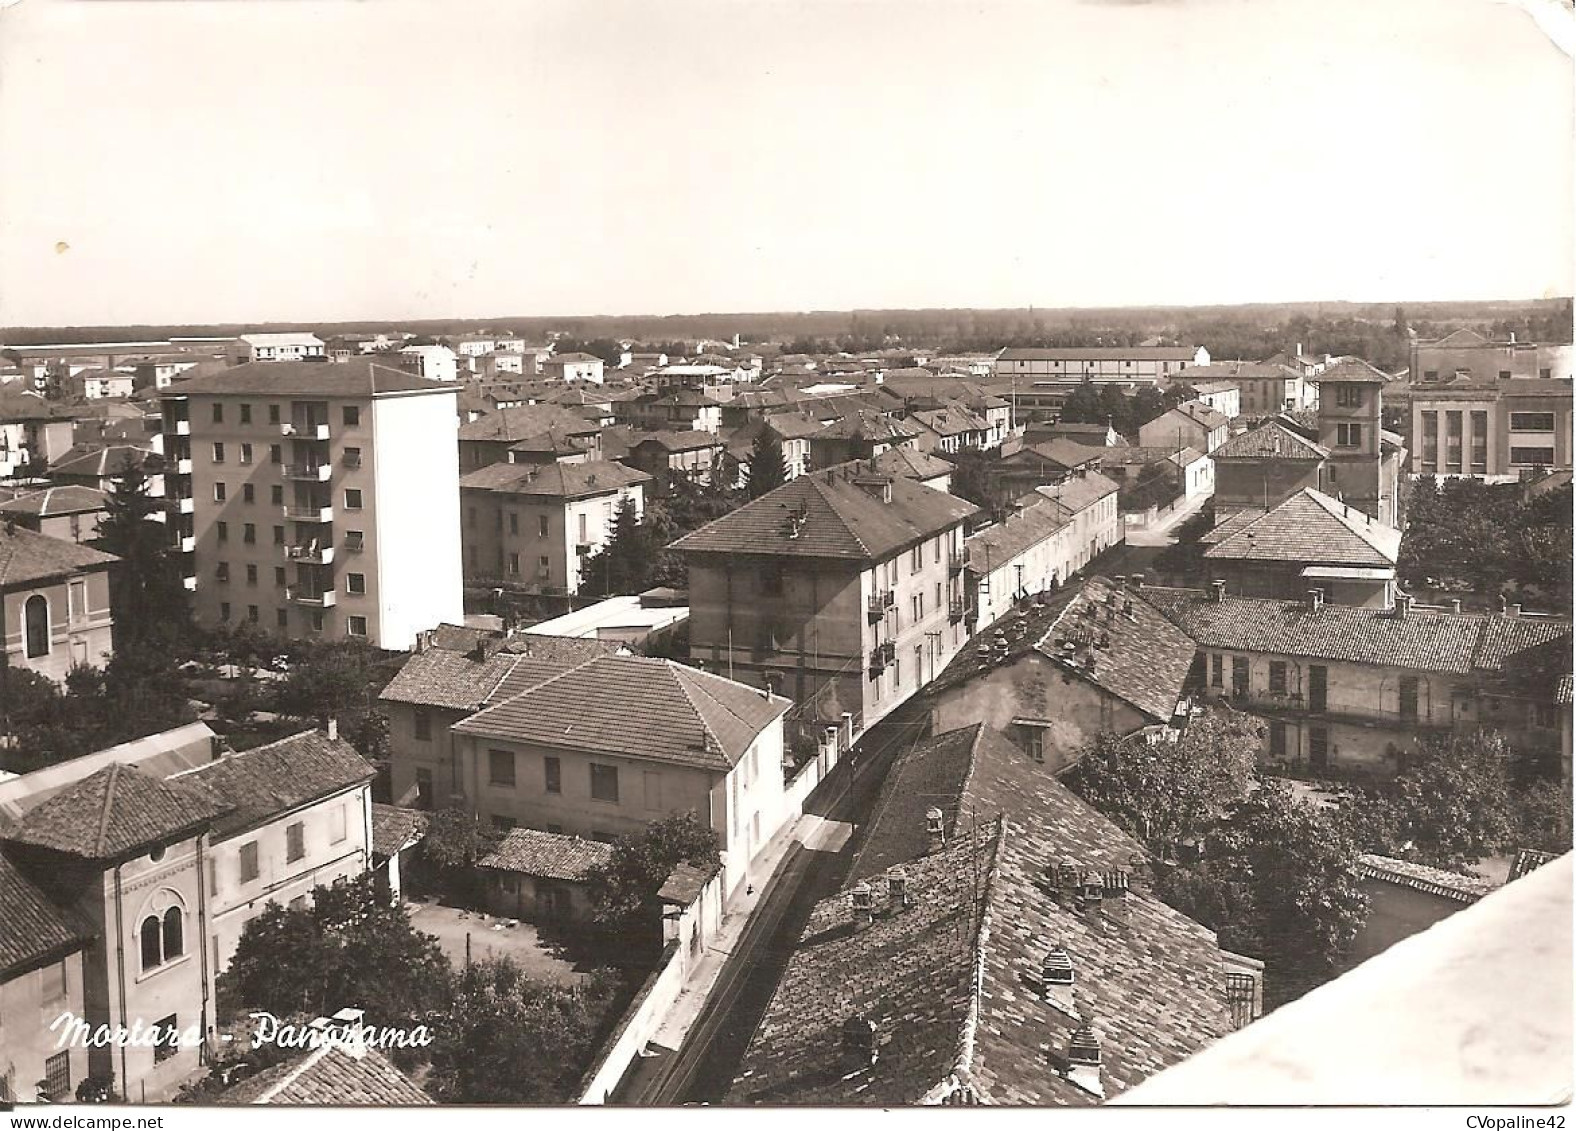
x: 768, y: 470
x: 453, y: 842
x: 331, y: 680
x: 146, y: 592
x: 1165, y: 792
x: 349, y: 948
x: 971, y: 477
x: 626, y: 562
x: 507, y: 1039
x: 623, y: 890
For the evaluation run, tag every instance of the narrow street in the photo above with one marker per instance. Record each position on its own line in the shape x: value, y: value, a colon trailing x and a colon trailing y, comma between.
x: 703, y: 1068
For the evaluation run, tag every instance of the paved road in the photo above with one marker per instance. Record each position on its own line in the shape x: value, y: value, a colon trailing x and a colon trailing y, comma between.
x: 702, y: 1070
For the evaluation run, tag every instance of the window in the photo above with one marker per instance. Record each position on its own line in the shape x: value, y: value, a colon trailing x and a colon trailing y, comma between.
x: 500, y: 768
x: 1532, y: 457
x: 916, y: 560
x: 423, y: 788
x: 1215, y: 677
x: 160, y: 938
x: 53, y: 982
x: 352, y: 498
x: 251, y: 573
x: 1545, y: 373
x: 295, y: 841
x: 1349, y: 396
x: 223, y: 530
x: 279, y: 577
x: 1032, y: 738
x: 247, y: 494
x: 1504, y: 375
x: 1430, y: 374
x: 220, y: 492
x: 1480, y: 442
x: 36, y: 613
x: 356, y: 582
x: 1318, y: 747
x: 1430, y: 439
x: 1532, y: 422
x: 1277, y: 740
x: 249, y: 533
x: 552, y: 775
x: 604, y: 783
x: 246, y: 454
x: 1239, y: 675
x: 501, y: 823
x: 1278, y: 676
x: 541, y: 526
x: 1348, y: 435
x: 252, y: 613
x: 1453, y: 441
x: 275, y: 452
x: 351, y: 416
x: 338, y: 825
x: 173, y: 930
x: 352, y: 457
x: 282, y: 616
x: 514, y: 564
x: 273, y: 414
x: 246, y: 414
x: 514, y: 522
x: 353, y: 540
x: 218, y: 450
x: 279, y: 536
x: 355, y: 626
x: 421, y: 725
x: 218, y: 412
x: 57, y: 1075
x: 1408, y: 697
x: 1545, y: 716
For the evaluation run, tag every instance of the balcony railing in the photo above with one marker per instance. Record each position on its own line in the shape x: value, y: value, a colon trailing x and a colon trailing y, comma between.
x: 188, y: 544
x: 879, y: 604
x: 316, y: 598
x: 324, y: 513
x: 955, y: 561
x: 583, y: 548
x: 183, y: 466
x: 956, y: 610
x: 309, y: 472
x: 311, y: 553
x: 179, y: 427
x: 304, y: 429
x: 187, y: 505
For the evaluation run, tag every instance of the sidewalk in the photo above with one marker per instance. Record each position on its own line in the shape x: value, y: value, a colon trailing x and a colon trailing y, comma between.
x: 1160, y: 533
x: 809, y: 830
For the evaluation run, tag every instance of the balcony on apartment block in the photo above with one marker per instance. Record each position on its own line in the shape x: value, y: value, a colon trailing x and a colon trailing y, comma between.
x: 304, y: 428
x: 308, y: 511
x: 312, y: 552
x: 312, y: 598
x: 309, y: 472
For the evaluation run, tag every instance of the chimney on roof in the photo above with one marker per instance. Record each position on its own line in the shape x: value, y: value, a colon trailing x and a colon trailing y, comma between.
x: 1403, y: 605
x: 1067, y: 881
x: 897, y: 891
x: 862, y: 900
x: 1504, y: 606
x: 1121, y: 580
x: 1091, y: 890
x: 1513, y: 337
x: 1115, y: 904
x: 1315, y: 600
x: 1058, y: 980
x: 1083, y: 1060
x: 333, y: 727
x: 1138, y: 581
x: 1217, y: 591
x: 935, y: 830
x: 1455, y: 604
x: 1515, y: 610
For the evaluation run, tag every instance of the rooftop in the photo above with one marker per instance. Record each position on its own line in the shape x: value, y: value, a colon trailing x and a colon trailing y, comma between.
x: 27, y: 558
x: 686, y: 716
x: 1069, y: 353
x: 117, y: 812
x: 32, y: 929
x: 559, y: 480
x: 102, y: 463
x: 1352, y: 369
x: 394, y: 828
x: 55, y: 501
x: 1311, y: 527
x: 830, y: 514
x: 521, y: 422
x: 465, y: 669
x: 1270, y: 440
x: 261, y: 783
x: 550, y: 856
x: 358, y: 378
x: 330, y: 1076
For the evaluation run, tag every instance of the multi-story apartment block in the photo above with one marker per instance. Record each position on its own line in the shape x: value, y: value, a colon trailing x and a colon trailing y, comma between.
x: 317, y: 499
x: 1342, y: 687
x: 54, y: 603
x: 436, y: 363
x: 1490, y: 431
x: 277, y: 347
x: 494, y: 438
x: 841, y: 589
x: 1364, y: 466
x: 32, y: 431
x: 536, y: 524
x: 1468, y: 354
x: 573, y: 367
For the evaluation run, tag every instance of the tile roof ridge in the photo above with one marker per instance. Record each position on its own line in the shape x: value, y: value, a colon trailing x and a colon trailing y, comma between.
x: 524, y: 691
x: 111, y: 783
x: 964, y: 1063
x: 974, y: 761
x: 821, y: 488
x: 708, y: 736
x: 295, y: 1073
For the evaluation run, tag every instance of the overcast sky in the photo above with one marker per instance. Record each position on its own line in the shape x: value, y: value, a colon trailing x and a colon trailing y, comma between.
x: 270, y: 160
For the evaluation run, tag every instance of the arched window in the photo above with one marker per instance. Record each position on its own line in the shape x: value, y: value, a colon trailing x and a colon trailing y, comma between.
x: 37, y: 617
x: 151, y: 952
x: 173, y: 947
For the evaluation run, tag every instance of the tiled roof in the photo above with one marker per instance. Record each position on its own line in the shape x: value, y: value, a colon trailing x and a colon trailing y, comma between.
x: 330, y: 1076
x: 32, y: 928
x: 791, y: 425
x: 267, y: 781
x: 56, y: 500
x: 16, y: 407
x: 1270, y: 440
x: 840, y: 519
x: 863, y: 424
x: 551, y: 856
x: 1352, y: 369
x: 1507, y: 640
x: 685, y: 883
x: 524, y: 421
x: 1201, y: 414
x: 450, y: 675
x: 911, y: 463
x: 1230, y: 522
x: 929, y: 775
x: 571, y: 357
x: 102, y: 463
x: 358, y: 377
x: 952, y: 421
x: 1061, y: 452
x: 679, y: 441
x: 558, y: 480
x: 27, y: 558
x: 1423, y: 640
x: 685, y: 716
x: 997, y: 544
x: 116, y: 812
x: 1080, y: 492
x: 1420, y: 877
x: 394, y: 827
x: 1311, y: 527
x: 287, y: 338
x: 912, y: 972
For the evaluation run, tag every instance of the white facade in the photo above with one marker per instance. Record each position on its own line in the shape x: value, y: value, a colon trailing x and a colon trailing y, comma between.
x: 277, y: 347
x: 436, y: 363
